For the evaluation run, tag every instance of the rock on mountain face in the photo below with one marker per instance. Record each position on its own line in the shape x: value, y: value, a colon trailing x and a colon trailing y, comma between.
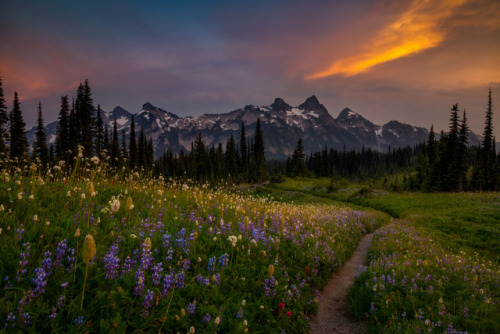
x: 282, y: 126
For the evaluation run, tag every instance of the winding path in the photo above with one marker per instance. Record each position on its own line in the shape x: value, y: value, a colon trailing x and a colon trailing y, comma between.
x: 333, y: 316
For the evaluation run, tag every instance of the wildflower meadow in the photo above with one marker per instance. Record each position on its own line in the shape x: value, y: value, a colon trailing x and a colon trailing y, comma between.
x: 91, y: 248
x: 413, y: 285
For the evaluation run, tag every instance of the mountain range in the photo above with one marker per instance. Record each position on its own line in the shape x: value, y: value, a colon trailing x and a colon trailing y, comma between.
x: 282, y: 126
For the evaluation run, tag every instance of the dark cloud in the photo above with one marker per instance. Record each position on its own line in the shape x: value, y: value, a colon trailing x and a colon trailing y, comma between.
x: 215, y: 56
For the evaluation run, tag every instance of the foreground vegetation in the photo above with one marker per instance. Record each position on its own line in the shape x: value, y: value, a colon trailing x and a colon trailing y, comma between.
x: 413, y: 285
x: 435, y: 271
x: 94, y: 249
x: 460, y: 221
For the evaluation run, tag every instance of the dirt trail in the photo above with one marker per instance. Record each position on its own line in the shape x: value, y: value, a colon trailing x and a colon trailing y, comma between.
x: 333, y: 316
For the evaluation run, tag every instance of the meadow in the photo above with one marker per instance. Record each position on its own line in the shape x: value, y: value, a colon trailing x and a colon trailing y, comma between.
x: 98, y: 249
x: 434, y: 269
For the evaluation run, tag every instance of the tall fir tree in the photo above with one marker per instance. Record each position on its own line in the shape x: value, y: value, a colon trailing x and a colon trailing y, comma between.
x: 200, y: 158
x: 298, y: 167
x: 115, y: 145
x: 62, y: 134
x: 462, y: 159
x: 99, y: 132
x: 74, y: 129
x: 488, y: 154
x: 132, y: 147
x: 231, y: 162
x: 259, y: 154
x: 141, y: 149
x: 40, y: 145
x: 451, y: 159
x: 124, y: 146
x: 106, y: 145
x: 18, y: 141
x: 4, y: 121
x: 243, y: 152
x: 85, y: 115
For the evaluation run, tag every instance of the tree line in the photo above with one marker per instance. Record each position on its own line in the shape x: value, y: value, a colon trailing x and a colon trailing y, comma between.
x: 446, y: 164
x: 245, y: 162
x: 81, y: 128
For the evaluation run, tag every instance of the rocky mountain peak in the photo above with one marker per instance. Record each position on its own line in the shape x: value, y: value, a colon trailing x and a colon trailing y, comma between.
x: 347, y: 113
x: 312, y: 104
x: 149, y: 107
x: 280, y: 104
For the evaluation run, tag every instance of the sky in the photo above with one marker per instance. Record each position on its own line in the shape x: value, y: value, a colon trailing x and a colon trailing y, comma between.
x: 408, y: 60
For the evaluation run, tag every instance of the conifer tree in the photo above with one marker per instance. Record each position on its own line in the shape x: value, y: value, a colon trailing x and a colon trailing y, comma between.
x: 132, y: 147
x: 200, y: 158
x: 115, y: 145
x: 85, y: 115
x: 141, y: 149
x: 4, y: 120
x: 488, y: 153
x: 462, y: 160
x: 63, y: 136
x: 150, y: 154
x: 243, y: 151
x: 40, y: 145
x: 18, y: 141
x: 451, y: 158
x: 74, y: 129
x: 99, y: 138
x: 124, y: 146
x: 259, y: 156
x: 106, y: 139
x: 298, y: 165
x: 231, y: 165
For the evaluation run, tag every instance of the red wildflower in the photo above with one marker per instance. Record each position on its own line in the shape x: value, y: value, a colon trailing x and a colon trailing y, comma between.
x: 289, y: 314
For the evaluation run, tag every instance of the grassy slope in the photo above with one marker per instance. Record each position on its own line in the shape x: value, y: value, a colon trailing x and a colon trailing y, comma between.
x: 458, y: 220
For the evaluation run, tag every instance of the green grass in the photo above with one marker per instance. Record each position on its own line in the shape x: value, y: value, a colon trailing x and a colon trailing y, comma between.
x: 460, y: 221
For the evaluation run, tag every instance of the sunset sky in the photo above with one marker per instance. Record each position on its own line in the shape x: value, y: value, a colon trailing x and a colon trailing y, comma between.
x: 408, y: 60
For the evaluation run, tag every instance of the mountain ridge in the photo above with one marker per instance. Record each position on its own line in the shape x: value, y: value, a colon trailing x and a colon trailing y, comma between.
x: 281, y: 123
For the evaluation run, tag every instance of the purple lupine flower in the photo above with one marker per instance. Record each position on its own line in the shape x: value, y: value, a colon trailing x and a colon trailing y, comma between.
x: 60, y: 300
x: 40, y: 281
x: 186, y: 264
x: 47, y: 262
x: 211, y: 264
x: 199, y: 278
x: 23, y: 262
x: 191, y: 307
x: 157, y: 272
x: 223, y: 261
x: 216, y: 279
x: 53, y: 315
x: 207, y: 317
x: 139, y: 285
x: 79, y: 320
x: 111, y: 262
x: 128, y: 265
x: 146, y: 258
x: 71, y: 259
x: 167, y: 239
x: 372, y: 308
x: 179, y: 280
x: 60, y: 252
x: 180, y: 241
x: 168, y: 282
x: 269, y: 284
x: 26, y: 318
x: 147, y: 304
x: 10, y: 318
x: 239, y: 314
x: 170, y: 254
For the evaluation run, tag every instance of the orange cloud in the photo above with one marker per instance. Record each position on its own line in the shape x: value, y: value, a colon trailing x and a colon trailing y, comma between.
x: 417, y: 29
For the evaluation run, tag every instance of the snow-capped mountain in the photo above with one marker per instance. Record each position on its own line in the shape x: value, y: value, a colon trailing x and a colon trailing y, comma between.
x: 282, y: 126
